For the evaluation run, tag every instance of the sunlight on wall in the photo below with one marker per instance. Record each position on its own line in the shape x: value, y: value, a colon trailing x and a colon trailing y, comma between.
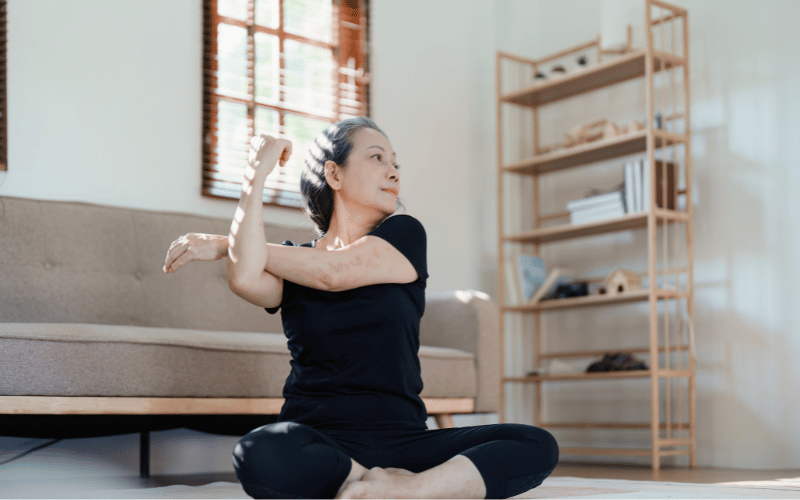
x: 752, y: 127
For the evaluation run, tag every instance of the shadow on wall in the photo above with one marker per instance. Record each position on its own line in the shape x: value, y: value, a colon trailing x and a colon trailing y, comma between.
x: 743, y: 363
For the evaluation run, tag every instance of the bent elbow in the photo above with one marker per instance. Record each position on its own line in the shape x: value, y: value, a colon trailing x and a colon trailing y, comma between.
x: 236, y: 282
x: 328, y: 283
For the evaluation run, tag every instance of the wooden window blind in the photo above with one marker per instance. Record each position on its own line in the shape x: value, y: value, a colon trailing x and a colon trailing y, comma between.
x: 286, y: 68
x: 3, y: 92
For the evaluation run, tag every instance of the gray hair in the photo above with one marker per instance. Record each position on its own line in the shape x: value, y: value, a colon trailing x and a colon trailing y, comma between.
x: 334, y: 143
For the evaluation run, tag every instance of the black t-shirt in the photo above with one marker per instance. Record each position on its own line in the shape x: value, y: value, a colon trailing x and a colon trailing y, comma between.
x: 355, y: 360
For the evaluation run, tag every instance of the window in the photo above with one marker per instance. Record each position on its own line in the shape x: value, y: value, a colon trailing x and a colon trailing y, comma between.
x: 287, y: 68
x: 3, y: 93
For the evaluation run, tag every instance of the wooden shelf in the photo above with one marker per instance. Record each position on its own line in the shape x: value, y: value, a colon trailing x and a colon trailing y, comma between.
x: 592, y: 78
x: 666, y: 151
x: 595, y: 300
x: 568, y: 231
x: 617, y: 375
x: 595, y: 353
x: 631, y: 452
x: 611, y: 425
x: 596, y: 151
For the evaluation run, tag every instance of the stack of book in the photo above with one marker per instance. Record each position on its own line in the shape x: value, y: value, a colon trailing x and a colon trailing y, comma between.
x: 633, y: 198
x: 599, y: 207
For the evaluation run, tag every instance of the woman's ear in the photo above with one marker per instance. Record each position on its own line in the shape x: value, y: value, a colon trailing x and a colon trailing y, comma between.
x: 331, y: 174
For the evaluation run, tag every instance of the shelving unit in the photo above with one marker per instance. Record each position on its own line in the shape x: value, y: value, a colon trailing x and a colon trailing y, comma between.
x: 670, y: 346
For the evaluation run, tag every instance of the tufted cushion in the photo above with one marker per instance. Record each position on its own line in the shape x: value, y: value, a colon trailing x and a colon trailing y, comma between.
x: 64, y: 262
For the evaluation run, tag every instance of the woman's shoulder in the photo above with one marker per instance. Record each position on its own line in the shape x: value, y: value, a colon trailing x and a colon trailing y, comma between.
x: 402, y: 219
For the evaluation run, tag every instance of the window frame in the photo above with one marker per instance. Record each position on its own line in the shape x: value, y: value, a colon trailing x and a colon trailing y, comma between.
x: 3, y: 86
x: 349, y: 40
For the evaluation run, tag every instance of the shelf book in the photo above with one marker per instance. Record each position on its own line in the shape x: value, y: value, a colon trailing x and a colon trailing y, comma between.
x: 529, y: 282
x: 524, y: 275
x: 632, y: 198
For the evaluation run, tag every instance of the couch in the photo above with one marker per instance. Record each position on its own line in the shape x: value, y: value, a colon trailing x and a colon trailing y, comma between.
x: 92, y: 328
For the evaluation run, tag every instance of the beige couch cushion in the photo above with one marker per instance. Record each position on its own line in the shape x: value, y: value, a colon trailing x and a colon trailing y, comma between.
x: 109, y: 360
x: 69, y: 262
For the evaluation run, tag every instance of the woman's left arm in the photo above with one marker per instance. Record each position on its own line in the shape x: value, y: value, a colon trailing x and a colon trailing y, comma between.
x: 249, y: 254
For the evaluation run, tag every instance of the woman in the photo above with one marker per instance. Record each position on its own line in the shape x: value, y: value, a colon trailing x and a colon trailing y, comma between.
x: 353, y: 424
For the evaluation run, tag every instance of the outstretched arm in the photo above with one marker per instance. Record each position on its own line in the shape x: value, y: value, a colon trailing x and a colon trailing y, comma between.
x: 248, y: 252
x: 195, y: 246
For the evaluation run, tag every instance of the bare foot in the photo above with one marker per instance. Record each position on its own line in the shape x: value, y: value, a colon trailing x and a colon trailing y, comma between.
x: 392, y: 470
x: 378, y: 483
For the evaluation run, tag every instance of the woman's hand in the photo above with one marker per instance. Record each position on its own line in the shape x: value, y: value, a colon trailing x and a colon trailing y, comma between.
x: 266, y: 151
x: 195, y: 246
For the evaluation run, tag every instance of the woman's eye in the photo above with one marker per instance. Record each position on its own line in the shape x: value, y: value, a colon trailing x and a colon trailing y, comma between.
x: 397, y: 167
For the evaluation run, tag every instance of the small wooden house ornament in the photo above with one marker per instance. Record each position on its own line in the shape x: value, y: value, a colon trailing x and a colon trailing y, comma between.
x: 621, y: 281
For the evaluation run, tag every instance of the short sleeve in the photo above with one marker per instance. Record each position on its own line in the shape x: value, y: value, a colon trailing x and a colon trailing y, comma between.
x: 407, y: 235
x: 273, y: 310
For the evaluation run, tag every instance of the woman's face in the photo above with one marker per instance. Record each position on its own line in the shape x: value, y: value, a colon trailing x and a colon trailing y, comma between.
x: 371, y: 168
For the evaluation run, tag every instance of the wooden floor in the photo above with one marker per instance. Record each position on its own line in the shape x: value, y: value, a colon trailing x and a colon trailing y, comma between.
x: 677, y: 474
x: 628, y: 472
x: 55, y: 487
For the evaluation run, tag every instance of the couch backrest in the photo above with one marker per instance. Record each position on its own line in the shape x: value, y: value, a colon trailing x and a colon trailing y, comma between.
x: 70, y: 262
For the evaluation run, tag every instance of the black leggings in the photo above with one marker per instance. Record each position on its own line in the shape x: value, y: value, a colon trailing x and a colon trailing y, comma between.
x: 294, y: 460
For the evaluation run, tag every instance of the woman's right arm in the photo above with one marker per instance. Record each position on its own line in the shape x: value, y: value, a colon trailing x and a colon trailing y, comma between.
x: 247, y: 245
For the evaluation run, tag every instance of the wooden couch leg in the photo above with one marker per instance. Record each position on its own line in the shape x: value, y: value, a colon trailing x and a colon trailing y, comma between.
x: 444, y: 421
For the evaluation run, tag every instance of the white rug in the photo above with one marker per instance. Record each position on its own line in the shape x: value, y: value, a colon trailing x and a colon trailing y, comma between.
x: 553, y: 487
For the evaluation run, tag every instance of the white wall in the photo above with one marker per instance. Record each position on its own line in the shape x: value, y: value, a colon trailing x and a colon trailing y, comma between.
x: 102, y: 91
x: 433, y: 94
x: 103, y: 105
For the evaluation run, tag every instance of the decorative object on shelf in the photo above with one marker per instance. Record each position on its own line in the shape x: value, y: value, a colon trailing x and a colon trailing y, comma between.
x: 579, y: 289
x: 540, y: 75
x: 622, y: 281
x: 616, y: 361
x: 559, y: 69
x: 601, y: 129
x: 633, y: 127
x: 611, y: 130
x: 588, y: 132
x: 610, y: 41
x: 658, y: 121
x: 557, y: 276
x: 582, y: 60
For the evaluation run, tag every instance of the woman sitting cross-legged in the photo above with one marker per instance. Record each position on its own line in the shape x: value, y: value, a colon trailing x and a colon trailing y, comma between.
x: 353, y: 424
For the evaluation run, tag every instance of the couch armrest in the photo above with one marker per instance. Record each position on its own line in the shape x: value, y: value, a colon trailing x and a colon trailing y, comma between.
x: 467, y: 320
